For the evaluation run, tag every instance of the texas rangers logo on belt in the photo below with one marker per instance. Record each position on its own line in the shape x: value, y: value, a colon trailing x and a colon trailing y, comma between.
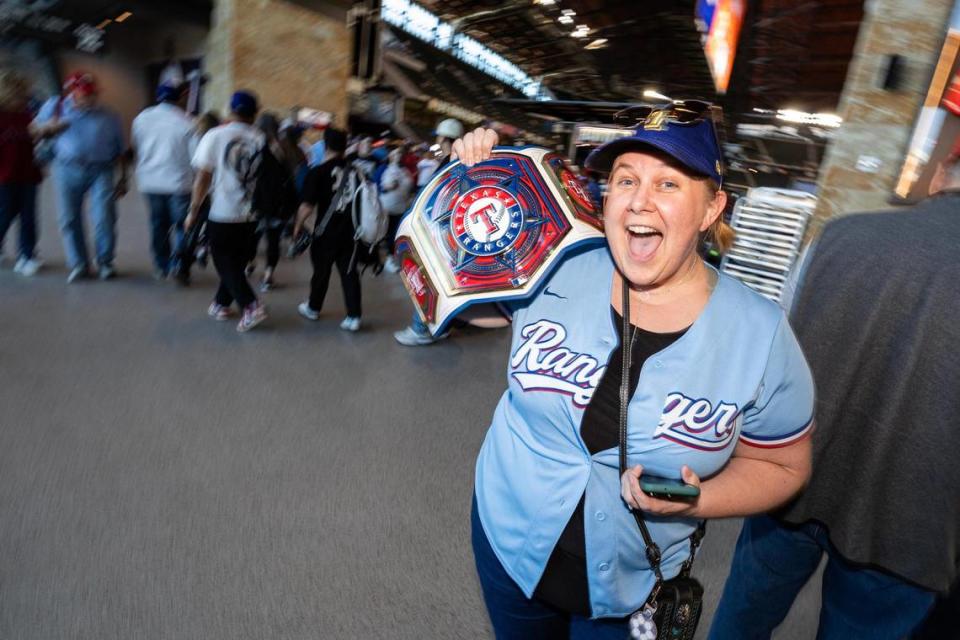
x: 487, y: 221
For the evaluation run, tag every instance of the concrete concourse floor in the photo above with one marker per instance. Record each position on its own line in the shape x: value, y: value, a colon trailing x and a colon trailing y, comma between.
x: 162, y: 476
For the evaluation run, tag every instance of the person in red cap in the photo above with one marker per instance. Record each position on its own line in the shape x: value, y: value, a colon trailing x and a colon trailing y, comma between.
x: 86, y: 155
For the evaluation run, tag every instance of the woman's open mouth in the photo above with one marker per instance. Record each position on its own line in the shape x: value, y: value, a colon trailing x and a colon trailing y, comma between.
x: 643, y: 241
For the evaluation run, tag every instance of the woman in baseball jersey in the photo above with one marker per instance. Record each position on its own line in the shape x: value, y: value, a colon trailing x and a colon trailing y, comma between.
x: 720, y: 396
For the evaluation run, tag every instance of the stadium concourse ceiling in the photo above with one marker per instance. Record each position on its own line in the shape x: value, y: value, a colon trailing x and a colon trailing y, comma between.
x: 95, y: 11
x: 791, y: 53
x: 648, y: 44
x: 795, y: 53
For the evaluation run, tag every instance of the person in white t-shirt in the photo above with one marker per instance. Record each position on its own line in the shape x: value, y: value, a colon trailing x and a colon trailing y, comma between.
x: 162, y: 137
x: 426, y: 168
x: 395, y: 187
x: 228, y: 158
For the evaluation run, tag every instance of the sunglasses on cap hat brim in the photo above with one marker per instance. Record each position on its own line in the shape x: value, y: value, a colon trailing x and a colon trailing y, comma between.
x: 676, y: 112
x: 650, y: 126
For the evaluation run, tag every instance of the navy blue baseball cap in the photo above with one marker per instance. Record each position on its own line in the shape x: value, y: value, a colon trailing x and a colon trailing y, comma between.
x: 169, y: 91
x: 692, y: 143
x: 244, y: 103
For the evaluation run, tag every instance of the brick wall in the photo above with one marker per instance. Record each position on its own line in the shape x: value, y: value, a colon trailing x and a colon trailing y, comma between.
x: 877, y: 122
x: 288, y: 54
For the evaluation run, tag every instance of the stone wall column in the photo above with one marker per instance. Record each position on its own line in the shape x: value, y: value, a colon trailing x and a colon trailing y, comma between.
x: 288, y: 53
x: 876, y: 122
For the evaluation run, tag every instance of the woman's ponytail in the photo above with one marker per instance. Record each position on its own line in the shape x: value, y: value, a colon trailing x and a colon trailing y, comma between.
x: 721, y: 235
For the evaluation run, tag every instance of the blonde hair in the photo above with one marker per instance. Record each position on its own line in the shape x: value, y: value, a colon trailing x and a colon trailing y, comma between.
x: 720, y: 234
x: 14, y: 87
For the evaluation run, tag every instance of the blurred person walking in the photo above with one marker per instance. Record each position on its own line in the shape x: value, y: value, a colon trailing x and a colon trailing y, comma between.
x: 333, y: 242
x: 409, y: 160
x: 276, y: 198
x: 19, y: 174
x: 195, y: 245
x: 395, y: 186
x: 163, y: 139
x: 227, y: 159
x: 417, y: 334
x: 426, y: 167
x: 884, y: 501
x: 86, y: 154
x: 290, y: 135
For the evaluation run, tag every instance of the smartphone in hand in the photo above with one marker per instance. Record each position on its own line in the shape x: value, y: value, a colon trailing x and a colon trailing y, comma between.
x: 668, y: 488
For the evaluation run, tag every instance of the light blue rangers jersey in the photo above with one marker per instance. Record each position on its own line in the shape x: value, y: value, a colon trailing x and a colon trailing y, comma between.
x: 737, y: 374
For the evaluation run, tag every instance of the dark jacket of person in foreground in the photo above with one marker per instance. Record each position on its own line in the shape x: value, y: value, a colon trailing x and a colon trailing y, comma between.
x: 877, y: 313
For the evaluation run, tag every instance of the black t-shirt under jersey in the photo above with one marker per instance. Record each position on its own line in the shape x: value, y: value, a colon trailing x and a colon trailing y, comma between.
x: 564, y: 581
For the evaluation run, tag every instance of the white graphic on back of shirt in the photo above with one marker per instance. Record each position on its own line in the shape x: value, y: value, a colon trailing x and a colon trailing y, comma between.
x: 552, y: 367
x: 243, y: 159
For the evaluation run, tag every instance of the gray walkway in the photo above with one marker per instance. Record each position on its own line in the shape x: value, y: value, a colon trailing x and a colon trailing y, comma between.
x: 162, y: 476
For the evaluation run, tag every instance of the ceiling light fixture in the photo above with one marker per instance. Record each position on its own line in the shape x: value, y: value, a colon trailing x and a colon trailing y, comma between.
x: 599, y: 43
x: 582, y: 31
x: 815, y: 119
x: 123, y: 16
x: 565, y: 20
x: 569, y: 12
x: 656, y: 95
x: 104, y: 24
x: 546, y: 3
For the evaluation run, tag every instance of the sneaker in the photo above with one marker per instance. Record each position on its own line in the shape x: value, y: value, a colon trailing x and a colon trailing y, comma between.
x: 267, y: 283
x: 411, y: 338
x: 77, y: 273
x: 159, y: 275
x: 391, y: 265
x: 107, y: 272
x: 350, y: 324
x: 305, y: 310
x: 252, y: 316
x: 219, y: 312
x: 28, y: 267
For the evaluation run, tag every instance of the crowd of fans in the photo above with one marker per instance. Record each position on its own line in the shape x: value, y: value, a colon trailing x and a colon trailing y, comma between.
x: 216, y: 189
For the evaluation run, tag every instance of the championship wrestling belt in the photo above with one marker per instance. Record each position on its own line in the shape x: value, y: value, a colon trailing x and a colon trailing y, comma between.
x: 491, y: 232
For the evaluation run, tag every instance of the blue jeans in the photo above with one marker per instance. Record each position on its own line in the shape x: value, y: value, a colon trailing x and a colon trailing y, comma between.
x: 73, y: 182
x: 516, y: 617
x: 771, y: 564
x: 418, y: 325
x: 167, y: 213
x: 19, y: 200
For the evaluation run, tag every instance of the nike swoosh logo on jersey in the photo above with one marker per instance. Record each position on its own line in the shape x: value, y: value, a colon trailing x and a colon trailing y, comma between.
x: 547, y: 292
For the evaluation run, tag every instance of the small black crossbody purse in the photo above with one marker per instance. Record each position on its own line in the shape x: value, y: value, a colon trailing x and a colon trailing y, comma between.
x: 673, y: 609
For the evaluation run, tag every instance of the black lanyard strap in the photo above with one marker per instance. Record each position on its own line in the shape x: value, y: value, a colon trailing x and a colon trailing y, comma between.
x: 654, y: 555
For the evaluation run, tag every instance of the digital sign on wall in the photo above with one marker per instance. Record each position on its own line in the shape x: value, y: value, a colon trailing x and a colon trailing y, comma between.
x: 723, y: 19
